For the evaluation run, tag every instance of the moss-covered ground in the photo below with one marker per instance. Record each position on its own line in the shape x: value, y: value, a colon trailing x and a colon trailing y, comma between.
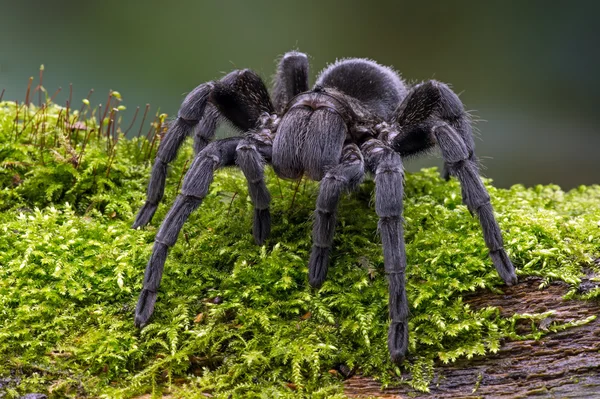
x: 233, y: 318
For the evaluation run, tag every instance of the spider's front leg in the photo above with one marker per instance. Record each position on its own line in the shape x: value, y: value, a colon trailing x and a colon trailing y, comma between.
x: 346, y: 176
x: 433, y: 114
x: 251, y: 161
x: 386, y: 164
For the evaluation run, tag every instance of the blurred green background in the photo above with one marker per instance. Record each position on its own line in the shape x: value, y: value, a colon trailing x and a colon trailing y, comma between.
x: 528, y: 68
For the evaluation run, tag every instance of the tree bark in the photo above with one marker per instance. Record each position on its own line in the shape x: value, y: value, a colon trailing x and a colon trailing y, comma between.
x: 563, y: 365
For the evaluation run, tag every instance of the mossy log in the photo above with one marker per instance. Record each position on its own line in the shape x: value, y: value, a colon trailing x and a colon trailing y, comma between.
x: 71, y: 268
x: 565, y: 364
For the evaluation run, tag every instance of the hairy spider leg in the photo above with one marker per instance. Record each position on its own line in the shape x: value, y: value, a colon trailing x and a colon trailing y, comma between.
x: 475, y: 196
x: 386, y: 164
x: 241, y: 97
x: 252, y: 162
x: 291, y: 79
x: 195, y: 187
x: 190, y: 113
x: 425, y: 103
x: 345, y: 176
x: 205, y: 131
x: 196, y: 183
x: 433, y: 114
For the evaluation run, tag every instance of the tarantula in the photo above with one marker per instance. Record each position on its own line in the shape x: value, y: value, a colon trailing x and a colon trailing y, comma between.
x: 359, y: 117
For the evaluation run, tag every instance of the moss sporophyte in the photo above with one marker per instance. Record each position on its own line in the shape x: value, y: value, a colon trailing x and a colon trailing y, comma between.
x: 234, y: 318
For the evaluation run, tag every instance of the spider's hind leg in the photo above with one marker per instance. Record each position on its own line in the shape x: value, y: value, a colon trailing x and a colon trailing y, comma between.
x: 475, y: 196
x: 205, y: 131
x: 433, y: 114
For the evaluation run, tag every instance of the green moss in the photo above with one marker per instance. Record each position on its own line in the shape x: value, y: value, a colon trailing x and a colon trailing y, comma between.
x: 71, y: 268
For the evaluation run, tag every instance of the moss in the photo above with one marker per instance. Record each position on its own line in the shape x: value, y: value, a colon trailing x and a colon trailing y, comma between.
x: 233, y: 318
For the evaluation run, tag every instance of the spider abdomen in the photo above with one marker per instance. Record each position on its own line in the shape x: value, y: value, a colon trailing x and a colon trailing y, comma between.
x: 378, y: 87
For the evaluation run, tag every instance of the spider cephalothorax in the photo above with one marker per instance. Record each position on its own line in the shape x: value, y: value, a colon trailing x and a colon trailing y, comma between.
x: 360, y: 117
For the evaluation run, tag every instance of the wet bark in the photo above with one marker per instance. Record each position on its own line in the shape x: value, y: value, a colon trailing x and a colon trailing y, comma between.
x: 564, y: 364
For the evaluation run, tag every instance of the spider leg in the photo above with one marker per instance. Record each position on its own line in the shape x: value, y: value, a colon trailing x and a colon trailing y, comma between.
x: 251, y: 161
x: 433, y: 114
x: 416, y: 116
x: 475, y: 196
x: 389, y: 191
x: 240, y: 96
x: 206, y: 128
x: 195, y: 187
x: 346, y: 176
x: 190, y: 113
x: 291, y: 78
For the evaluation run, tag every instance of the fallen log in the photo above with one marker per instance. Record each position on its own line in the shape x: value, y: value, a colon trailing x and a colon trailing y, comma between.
x: 564, y: 364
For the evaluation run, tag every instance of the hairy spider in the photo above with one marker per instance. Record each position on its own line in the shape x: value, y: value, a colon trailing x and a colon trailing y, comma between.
x: 359, y: 117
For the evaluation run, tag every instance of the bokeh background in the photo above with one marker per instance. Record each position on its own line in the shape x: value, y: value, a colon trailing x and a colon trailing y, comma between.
x: 530, y: 69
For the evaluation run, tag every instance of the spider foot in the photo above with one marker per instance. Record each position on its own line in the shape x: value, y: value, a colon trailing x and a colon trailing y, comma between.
x: 398, y: 341
x: 317, y: 266
x: 262, y: 225
x: 144, y: 308
x: 145, y: 215
x: 505, y: 268
x: 147, y: 299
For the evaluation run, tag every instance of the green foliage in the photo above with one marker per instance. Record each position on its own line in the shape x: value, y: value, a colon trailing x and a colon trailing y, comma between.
x: 48, y: 158
x: 233, y: 318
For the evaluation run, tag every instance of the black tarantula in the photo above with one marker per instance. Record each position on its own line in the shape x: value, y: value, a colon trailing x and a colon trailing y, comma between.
x: 359, y: 117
